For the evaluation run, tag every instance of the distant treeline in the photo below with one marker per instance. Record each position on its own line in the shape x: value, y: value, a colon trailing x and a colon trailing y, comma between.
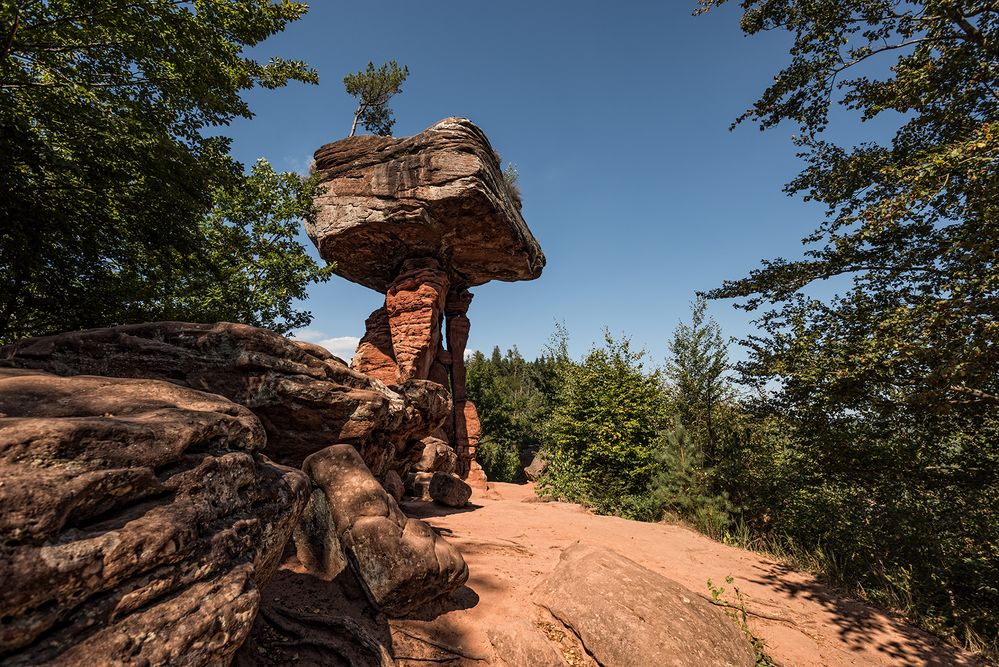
x: 899, y: 505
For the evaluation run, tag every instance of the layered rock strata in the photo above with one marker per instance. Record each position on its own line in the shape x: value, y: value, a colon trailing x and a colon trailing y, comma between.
x: 421, y: 219
x: 351, y: 521
x: 139, y: 521
x: 439, y: 194
x: 306, y: 398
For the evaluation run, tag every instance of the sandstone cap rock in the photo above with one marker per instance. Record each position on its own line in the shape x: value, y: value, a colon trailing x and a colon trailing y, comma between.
x: 438, y: 194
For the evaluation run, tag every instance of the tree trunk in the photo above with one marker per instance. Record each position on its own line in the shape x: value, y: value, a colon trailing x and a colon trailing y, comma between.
x: 353, y: 126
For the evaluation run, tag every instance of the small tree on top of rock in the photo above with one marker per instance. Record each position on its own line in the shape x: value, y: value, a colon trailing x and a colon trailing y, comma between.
x: 373, y: 88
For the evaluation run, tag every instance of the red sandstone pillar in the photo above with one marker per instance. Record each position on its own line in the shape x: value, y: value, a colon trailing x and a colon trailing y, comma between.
x: 402, y: 339
x: 467, y: 430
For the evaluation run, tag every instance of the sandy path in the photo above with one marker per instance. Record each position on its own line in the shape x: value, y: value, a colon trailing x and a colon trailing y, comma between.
x: 509, y: 542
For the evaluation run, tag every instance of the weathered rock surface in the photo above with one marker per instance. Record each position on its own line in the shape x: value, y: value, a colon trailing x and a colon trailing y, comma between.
x: 626, y: 615
x: 306, y: 398
x: 519, y: 644
x: 448, y: 489
x: 401, y: 563
x: 393, y: 485
x: 536, y: 468
x: 437, y: 455
x: 467, y: 432
x: 418, y: 485
x: 139, y: 521
x: 439, y: 194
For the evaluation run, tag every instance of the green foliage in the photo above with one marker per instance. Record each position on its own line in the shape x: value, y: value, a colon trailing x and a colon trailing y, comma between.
x: 373, y: 88
x: 108, y: 171
x: 500, y: 460
x: 695, y: 372
x: 510, y: 176
x: 913, y: 224
x: 683, y: 484
x: 508, y: 394
x: 260, y: 268
x: 737, y: 612
x: 875, y: 430
x: 601, y: 434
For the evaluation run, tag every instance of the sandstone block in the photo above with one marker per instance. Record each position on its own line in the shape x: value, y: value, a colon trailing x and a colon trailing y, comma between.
x: 139, y: 522
x: 306, y: 398
x: 437, y: 455
x: 629, y: 616
x: 438, y: 194
x: 447, y: 489
x: 401, y: 563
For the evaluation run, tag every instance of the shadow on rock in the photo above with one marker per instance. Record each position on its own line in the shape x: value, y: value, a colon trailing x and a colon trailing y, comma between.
x: 313, y: 621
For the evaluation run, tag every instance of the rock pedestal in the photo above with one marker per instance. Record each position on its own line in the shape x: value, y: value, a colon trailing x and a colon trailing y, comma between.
x: 421, y: 219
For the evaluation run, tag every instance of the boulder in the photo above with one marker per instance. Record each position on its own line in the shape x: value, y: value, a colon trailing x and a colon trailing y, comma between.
x: 401, y: 563
x: 629, y: 616
x: 537, y: 467
x: 306, y: 398
x: 437, y: 455
x: 418, y: 485
x: 439, y: 194
x: 393, y: 485
x: 139, y: 521
x: 518, y: 643
x: 448, y: 489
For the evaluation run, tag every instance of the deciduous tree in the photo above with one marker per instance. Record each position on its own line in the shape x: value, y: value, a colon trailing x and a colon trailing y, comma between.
x: 109, y: 152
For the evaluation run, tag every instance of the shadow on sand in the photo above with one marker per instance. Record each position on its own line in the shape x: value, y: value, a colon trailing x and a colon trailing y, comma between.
x: 861, y: 625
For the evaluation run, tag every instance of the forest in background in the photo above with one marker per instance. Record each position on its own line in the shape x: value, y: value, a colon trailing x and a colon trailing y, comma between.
x: 901, y: 509
x: 859, y: 436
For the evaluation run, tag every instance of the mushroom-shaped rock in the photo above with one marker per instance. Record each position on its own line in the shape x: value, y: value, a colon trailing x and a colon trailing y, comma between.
x: 438, y: 194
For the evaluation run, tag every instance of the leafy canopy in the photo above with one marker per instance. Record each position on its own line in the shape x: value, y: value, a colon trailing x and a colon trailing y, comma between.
x: 695, y: 374
x: 108, y: 165
x: 911, y: 224
x: 373, y: 89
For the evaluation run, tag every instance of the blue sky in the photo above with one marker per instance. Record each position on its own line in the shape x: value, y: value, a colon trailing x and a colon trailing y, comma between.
x: 617, y: 119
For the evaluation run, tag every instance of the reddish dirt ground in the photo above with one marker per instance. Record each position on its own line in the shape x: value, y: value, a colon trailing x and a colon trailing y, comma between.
x: 509, y: 540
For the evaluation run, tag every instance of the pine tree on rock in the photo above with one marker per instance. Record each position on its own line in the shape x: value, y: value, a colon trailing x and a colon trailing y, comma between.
x: 373, y: 89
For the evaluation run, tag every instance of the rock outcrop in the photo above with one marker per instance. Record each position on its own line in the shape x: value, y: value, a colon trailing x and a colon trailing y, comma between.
x: 421, y: 219
x: 628, y: 616
x: 439, y: 194
x: 437, y: 455
x: 351, y: 521
x: 447, y: 489
x: 306, y: 398
x: 139, y: 521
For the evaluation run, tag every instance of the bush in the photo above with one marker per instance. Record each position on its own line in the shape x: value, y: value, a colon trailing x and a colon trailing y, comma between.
x: 600, y: 438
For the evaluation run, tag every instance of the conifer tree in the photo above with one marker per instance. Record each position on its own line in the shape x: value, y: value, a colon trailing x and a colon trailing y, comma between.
x: 695, y: 374
x: 373, y: 89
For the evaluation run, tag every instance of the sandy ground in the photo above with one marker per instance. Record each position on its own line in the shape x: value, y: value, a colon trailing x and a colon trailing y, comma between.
x: 509, y: 540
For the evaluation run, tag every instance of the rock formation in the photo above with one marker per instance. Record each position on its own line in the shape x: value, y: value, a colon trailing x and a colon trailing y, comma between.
x: 629, y: 616
x: 447, y: 489
x: 306, y: 398
x: 421, y: 219
x: 139, y: 521
x: 352, y: 521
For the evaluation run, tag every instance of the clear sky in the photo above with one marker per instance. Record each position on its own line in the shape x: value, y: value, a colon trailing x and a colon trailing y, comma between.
x: 616, y: 116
